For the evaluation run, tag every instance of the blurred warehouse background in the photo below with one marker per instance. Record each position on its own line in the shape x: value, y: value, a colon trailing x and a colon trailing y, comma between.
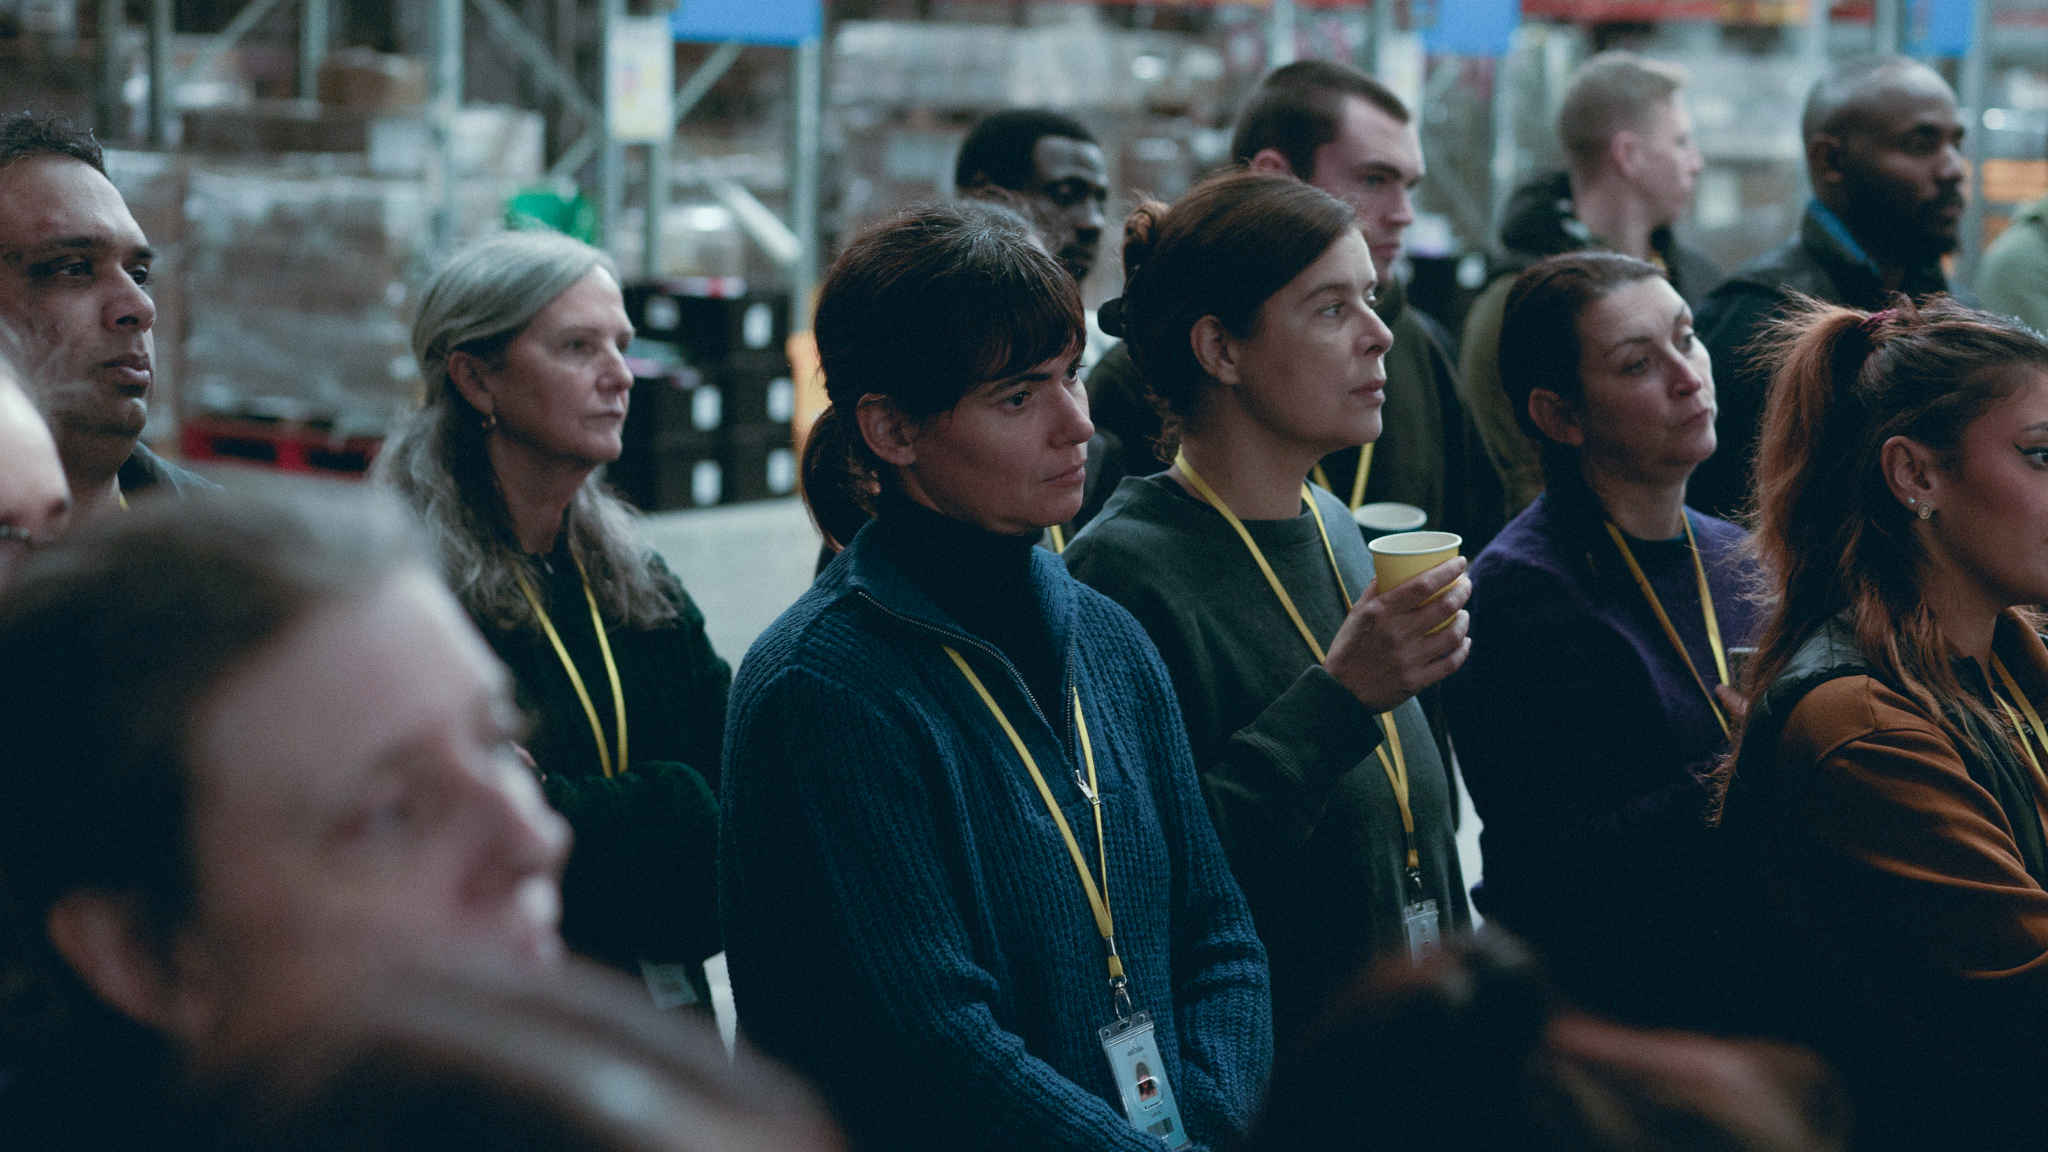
x: 301, y: 164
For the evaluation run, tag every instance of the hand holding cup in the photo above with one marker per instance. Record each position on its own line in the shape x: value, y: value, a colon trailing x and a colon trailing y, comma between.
x: 1394, y: 644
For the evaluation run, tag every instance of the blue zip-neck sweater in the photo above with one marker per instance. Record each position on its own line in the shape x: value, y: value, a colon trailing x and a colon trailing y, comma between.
x: 903, y: 923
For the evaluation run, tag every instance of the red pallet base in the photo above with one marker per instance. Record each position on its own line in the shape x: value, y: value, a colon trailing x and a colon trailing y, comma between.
x: 284, y: 447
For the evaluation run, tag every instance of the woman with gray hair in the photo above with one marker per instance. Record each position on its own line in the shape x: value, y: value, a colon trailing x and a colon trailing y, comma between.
x: 521, y: 343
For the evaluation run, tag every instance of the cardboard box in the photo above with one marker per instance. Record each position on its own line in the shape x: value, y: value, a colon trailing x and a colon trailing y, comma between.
x: 365, y: 80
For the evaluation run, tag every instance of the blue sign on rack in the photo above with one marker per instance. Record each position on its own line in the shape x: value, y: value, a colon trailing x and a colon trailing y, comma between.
x: 749, y: 21
x: 1472, y: 27
x: 1940, y: 27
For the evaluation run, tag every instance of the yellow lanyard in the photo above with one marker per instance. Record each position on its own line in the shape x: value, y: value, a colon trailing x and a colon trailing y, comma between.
x: 2033, y: 721
x: 1397, y: 766
x: 604, y: 646
x: 1706, y: 608
x: 1357, y: 479
x: 1059, y: 539
x: 1098, y: 897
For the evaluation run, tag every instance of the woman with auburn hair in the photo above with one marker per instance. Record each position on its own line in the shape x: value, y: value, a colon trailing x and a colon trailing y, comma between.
x: 1595, y: 710
x: 1885, y: 806
x: 967, y: 880
x: 1248, y: 310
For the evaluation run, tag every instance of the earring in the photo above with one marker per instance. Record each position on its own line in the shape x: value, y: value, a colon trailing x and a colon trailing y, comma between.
x: 1927, y: 511
x: 490, y: 421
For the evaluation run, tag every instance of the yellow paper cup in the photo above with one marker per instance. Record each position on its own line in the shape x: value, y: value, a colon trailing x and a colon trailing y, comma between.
x: 1402, y: 557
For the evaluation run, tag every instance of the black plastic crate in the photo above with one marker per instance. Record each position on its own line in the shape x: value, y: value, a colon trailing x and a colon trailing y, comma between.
x: 760, y: 463
x: 709, y: 325
x: 666, y: 481
x: 760, y: 393
x: 675, y: 416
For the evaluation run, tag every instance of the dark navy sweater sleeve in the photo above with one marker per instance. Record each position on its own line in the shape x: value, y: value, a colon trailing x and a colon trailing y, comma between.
x: 1219, y: 968
x: 858, y: 814
x: 872, y: 877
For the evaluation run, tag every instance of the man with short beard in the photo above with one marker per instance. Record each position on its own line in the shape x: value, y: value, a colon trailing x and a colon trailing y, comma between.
x: 1883, y: 138
x: 73, y: 264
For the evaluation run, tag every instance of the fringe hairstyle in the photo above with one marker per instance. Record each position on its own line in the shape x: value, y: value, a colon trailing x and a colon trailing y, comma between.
x: 1830, y: 535
x: 479, y: 303
x: 921, y: 309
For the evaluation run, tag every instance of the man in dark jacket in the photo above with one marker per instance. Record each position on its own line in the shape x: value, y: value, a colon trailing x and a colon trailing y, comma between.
x: 1344, y: 132
x: 1627, y: 139
x: 73, y: 264
x: 1882, y: 153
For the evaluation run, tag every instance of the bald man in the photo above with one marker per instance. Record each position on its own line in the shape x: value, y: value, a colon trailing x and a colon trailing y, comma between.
x: 1883, y: 139
x: 35, y: 502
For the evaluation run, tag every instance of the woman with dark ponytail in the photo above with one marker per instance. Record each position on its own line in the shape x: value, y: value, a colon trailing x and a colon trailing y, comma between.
x: 1248, y: 311
x: 1593, y: 718
x: 1886, y: 801
x: 968, y: 883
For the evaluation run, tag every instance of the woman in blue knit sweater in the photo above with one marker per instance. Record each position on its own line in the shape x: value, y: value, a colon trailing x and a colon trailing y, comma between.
x: 1595, y: 708
x: 913, y: 748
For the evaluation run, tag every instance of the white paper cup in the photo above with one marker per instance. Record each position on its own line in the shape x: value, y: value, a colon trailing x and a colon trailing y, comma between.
x: 1403, y: 556
x: 1388, y: 516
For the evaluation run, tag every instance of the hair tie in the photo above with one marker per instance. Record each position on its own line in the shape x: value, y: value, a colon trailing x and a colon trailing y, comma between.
x: 1110, y: 318
x: 1874, y: 321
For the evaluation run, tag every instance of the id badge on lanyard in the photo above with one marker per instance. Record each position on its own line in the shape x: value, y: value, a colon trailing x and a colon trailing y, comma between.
x: 1141, y: 1078
x: 1128, y: 1043
x: 1418, y: 924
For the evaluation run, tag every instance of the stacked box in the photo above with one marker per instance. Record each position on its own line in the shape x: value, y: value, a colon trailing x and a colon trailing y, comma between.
x: 671, y: 442
x: 267, y: 127
x: 710, y: 418
x: 297, y: 274
x: 296, y: 285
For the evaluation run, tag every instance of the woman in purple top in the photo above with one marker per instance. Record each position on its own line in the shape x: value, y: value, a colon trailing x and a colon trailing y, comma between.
x: 1595, y: 706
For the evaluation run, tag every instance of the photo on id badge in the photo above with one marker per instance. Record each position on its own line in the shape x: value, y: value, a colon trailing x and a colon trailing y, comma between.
x: 1141, y: 1079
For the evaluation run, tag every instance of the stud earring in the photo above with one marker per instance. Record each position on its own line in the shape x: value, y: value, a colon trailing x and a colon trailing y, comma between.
x: 490, y: 421
x: 1927, y: 511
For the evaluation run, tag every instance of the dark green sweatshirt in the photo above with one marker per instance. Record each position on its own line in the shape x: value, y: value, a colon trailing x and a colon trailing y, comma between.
x: 641, y: 880
x: 1302, y: 803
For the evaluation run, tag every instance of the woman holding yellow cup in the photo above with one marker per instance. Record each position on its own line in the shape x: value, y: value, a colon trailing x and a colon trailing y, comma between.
x: 1591, y: 720
x: 1247, y: 309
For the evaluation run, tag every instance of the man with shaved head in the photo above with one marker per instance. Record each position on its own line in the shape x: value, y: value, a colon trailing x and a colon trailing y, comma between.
x: 73, y: 265
x: 1883, y: 138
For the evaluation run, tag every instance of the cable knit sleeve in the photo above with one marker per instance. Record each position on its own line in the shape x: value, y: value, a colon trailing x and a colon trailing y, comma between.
x: 847, y: 935
x: 1221, y: 992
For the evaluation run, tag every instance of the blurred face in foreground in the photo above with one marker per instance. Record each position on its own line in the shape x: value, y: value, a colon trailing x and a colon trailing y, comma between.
x: 357, y: 809
x: 35, y: 502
